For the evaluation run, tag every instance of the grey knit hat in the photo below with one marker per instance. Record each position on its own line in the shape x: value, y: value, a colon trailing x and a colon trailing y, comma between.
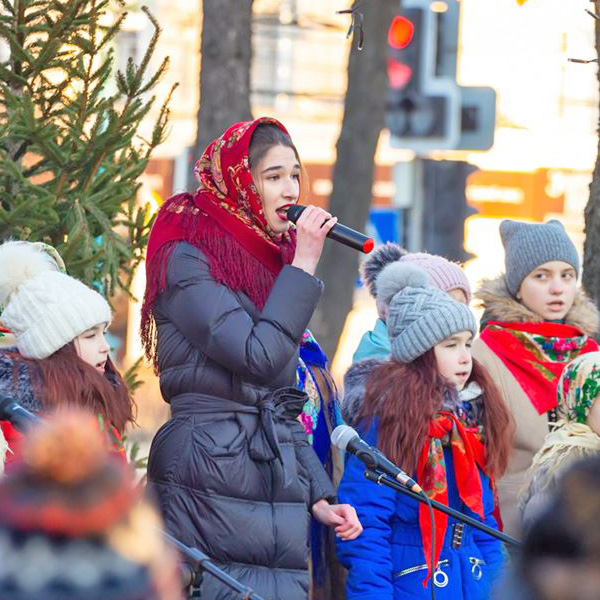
x: 529, y: 245
x: 420, y: 315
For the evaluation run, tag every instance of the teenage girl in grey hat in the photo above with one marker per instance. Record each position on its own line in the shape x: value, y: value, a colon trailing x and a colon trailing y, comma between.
x: 535, y: 321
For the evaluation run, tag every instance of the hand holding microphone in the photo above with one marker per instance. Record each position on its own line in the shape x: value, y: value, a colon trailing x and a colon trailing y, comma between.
x: 311, y: 229
x: 345, y: 438
x: 338, y: 232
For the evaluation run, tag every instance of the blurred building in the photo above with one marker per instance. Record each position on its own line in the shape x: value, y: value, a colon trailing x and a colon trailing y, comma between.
x: 546, y: 124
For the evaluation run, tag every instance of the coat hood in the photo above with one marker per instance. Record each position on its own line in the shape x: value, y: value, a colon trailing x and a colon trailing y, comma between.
x: 355, y: 384
x: 499, y: 305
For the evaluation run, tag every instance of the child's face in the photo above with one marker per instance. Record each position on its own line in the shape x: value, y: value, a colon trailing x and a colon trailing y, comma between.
x: 92, y: 347
x: 593, y: 419
x: 453, y: 358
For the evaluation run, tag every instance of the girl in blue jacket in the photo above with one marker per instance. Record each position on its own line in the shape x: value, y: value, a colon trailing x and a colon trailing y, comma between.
x: 435, y: 412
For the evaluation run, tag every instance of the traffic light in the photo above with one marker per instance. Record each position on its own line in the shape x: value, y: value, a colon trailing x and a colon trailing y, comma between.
x: 415, y: 111
x: 426, y: 108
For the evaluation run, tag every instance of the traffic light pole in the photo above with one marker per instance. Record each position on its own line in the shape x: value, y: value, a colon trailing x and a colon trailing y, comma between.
x: 414, y: 242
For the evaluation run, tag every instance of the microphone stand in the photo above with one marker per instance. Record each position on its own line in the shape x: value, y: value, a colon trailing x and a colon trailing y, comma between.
x: 206, y: 564
x: 383, y: 479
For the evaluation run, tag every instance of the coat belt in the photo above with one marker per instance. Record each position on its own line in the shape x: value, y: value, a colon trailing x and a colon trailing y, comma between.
x: 276, y: 406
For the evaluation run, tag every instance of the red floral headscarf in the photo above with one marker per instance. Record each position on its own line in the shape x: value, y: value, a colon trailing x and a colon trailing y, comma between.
x: 224, y: 219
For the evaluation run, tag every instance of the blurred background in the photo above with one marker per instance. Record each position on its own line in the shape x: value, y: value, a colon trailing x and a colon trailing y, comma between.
x: 449, y: 162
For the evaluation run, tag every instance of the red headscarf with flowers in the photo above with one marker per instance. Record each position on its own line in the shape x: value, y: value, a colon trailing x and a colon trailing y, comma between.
x: 224, y: 219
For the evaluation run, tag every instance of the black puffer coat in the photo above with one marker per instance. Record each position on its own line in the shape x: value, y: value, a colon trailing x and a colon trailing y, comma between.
x: 233, y: 471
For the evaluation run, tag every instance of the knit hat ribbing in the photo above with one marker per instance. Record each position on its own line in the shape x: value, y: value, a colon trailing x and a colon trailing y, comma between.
x: 529, y: 245
x: 443, y: 274
x: 420, y: 315
x: 44, y: 308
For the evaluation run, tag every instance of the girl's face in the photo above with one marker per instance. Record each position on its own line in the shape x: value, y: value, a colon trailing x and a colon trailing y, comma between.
x: 549, y: 290
x: 91, y: 346
x: 453, y: 358
x: 277, y: 177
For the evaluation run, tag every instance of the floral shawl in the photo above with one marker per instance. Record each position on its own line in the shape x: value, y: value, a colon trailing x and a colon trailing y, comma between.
x: 536, y: 354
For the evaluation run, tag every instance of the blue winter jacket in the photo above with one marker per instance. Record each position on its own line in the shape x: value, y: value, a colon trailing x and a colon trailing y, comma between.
x: 374, y: 344
x: 387, y: 561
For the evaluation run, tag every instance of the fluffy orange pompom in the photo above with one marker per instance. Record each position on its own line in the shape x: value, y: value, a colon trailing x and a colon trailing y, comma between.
x: 67, y: 448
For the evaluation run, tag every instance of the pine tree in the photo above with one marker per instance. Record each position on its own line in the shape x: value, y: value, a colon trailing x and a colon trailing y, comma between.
x: 70, y: 149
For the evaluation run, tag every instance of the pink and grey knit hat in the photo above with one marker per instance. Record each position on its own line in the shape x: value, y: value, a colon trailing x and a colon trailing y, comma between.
x: 443, y: 274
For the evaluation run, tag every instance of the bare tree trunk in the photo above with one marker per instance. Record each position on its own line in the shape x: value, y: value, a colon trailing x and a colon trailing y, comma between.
x: 351, y: 196
x: 591, y: 247
x: 226, y: 52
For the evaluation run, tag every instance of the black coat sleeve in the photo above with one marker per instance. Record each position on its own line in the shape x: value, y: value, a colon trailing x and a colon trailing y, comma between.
x: 211, y: 317
x: 321, y: 486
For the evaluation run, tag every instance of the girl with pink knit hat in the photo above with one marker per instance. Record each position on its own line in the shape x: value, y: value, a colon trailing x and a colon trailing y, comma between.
x: 443, y: 274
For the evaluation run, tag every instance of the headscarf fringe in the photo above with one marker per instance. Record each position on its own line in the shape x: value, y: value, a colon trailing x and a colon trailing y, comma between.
x: 568, y: 441
x: 229, y: 262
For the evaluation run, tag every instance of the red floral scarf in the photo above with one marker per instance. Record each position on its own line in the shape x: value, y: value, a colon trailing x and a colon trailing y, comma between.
x: 468, y: 452
x: 536, y: 354
x: 224, y: 219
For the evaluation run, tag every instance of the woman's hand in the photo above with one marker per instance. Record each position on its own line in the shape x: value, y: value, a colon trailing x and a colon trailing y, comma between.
x: 342, y: 516
x: 311, y: 228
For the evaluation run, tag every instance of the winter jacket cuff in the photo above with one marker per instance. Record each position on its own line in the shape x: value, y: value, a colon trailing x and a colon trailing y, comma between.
x: 321, y: 487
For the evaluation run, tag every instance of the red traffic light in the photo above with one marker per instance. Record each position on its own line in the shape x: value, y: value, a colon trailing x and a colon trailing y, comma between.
x: 400, y: 33
x: 399, y: 74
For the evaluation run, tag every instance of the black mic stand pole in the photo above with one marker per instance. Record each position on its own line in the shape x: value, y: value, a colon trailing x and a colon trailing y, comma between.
x: 205, y: 562
x: 383, y: 479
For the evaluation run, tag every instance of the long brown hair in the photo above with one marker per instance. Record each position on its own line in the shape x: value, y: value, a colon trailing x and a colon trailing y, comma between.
x: 63, y: 379
x: 406, y: 397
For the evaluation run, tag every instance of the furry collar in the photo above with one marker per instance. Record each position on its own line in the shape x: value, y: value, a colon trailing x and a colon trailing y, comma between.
x: 355, y: 385
x: 15, y: 381
x: 499, y: 305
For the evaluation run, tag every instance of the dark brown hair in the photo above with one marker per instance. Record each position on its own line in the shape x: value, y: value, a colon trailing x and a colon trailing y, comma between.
x: 63, y: 379
x: 406, y: 397
x: 263, y: 139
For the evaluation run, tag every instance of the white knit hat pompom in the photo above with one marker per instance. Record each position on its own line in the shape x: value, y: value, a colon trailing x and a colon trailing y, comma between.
x: 19, y: 263
x: 397, y: 276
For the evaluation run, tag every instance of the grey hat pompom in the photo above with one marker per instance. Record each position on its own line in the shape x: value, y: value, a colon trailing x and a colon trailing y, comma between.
x: 378, y: 260
x: 397, y: 276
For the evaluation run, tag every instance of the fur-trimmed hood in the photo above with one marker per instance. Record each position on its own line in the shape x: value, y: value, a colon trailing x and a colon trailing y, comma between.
x: 355, y: 385
x: 499, y: 305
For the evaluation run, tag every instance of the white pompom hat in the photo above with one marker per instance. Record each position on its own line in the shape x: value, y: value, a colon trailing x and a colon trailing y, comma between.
x: 44, y: 308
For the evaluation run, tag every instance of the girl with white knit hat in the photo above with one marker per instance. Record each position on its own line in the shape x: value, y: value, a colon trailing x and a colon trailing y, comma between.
x: 61, y: 357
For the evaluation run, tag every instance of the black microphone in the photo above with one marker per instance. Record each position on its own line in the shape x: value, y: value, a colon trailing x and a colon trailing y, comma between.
x: 345, y: 438
x: 339, y: 233
x: 20, y: 418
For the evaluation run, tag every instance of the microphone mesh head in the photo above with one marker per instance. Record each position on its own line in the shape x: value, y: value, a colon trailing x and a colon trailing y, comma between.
x: 341, y: 436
